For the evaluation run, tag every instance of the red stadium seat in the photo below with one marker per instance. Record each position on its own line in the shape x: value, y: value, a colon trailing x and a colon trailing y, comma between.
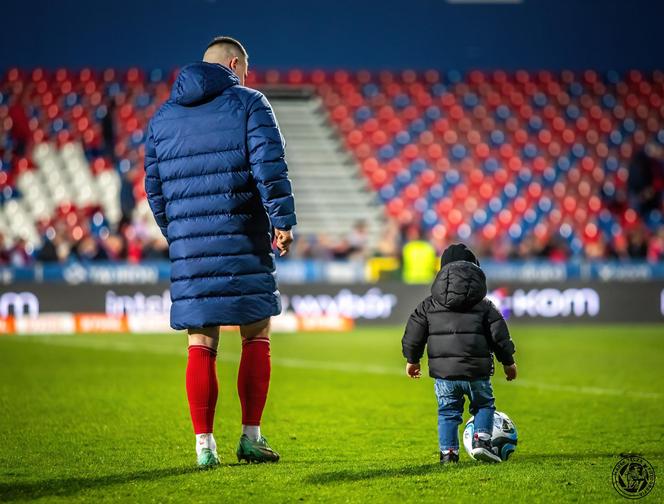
x: 520, y: 126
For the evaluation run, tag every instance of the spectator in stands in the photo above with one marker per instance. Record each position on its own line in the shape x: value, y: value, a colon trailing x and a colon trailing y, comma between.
x: 637, y: 247
x: 20, y: 254
x: 420, y: 260
x: 525, y: 249
x: 56, y: 246
x: 114, y: 247
x: 308, y: 247
x: 555, y: 250
x: 656, y: 246
x: 341, y: 249
x: 20, y: 127
x: 4, y: 253
x: 482, y: 247
x: 155, y: 249
x: 48, y: 252
x: 616, y: 248
x: 325, y: 246
x: 439, y: 243
x: 389, y: 244
x: 127, y: 198
x: 108, y: 129
x: 501, y: 249
x: 88, y: 250
x: 595, y: 250
x: 646, y: 179
x: 353, y: 246
x: 134, y: 247
x: 358, y: 241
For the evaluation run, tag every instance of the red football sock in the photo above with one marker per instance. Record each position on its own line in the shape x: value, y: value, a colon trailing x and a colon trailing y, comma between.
x: 253, y: 379
x: 202, y: 387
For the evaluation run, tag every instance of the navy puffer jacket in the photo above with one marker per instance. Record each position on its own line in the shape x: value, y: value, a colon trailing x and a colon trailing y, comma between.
x: 217, y: 182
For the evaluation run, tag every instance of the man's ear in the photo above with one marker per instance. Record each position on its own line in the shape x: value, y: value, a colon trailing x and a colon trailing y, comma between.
x: 233, y: 63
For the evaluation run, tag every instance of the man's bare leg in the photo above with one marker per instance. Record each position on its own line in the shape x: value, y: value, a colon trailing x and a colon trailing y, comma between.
x: 202, y: 390
x: 204, y: 336
x: 260, y: 329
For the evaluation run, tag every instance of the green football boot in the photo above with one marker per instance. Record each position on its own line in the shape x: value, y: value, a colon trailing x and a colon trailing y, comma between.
x: 208, y: 459
x: 255, y: 451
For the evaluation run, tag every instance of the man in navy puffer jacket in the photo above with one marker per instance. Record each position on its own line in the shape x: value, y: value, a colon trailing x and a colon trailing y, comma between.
x: 218, y: 186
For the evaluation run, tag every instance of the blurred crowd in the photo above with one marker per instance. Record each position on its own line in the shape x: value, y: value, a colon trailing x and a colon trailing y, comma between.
x: 133, y: 243
x: 637, y: 243
x: 59, y: 246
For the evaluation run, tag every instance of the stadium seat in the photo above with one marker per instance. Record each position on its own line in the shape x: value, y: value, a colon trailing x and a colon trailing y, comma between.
x: 497, y: 153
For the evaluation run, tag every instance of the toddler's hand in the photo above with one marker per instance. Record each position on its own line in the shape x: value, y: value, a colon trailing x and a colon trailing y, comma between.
x: 413, y: 370
x: 510, y: 372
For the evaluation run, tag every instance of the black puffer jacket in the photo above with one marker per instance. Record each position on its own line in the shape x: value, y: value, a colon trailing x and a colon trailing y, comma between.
x: 460, y: 328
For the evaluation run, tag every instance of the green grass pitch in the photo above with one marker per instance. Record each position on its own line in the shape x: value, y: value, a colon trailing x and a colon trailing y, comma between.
x: 104, y: 418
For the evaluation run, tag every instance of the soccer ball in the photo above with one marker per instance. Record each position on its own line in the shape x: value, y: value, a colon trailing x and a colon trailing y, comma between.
x: 503, y: 437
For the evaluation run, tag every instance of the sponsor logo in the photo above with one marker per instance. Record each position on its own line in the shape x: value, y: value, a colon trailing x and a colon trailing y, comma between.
x: 148, y: 323
x: 539, y: 272
x: 325, y: 323
x: 323, y: 309
x: 547, y: 303
x: 48, y: 323
x: 374, y: 304
x: 75, y: 274
x: 137, y: 304
x: 19, y: 304
x: 607, y: 272
x: 98, y: 322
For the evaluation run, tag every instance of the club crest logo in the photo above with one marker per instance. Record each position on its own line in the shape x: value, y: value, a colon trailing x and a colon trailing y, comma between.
x: 633, y: 477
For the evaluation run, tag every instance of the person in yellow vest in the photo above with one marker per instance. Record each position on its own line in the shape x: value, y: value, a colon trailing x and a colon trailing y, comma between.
x: 420, y: 261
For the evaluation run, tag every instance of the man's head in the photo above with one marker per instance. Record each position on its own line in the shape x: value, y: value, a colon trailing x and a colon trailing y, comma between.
x: 228, y: 52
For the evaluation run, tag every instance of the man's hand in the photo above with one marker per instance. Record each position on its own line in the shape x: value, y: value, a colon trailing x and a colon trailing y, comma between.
x: 284, y: 240
x: 510, y: 372
x: 413, y: 370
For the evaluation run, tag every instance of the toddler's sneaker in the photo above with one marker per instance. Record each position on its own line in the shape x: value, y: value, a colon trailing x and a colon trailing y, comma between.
x: 449, y: 457
x: 482, y: 450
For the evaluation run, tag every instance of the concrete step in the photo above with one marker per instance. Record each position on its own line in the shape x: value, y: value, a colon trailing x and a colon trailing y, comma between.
x: 331, y: 196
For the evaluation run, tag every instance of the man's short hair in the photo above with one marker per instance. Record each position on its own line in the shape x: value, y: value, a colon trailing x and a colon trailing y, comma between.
x: 229, y: 41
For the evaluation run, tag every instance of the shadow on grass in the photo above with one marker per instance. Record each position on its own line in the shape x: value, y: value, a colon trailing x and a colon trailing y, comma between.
x: 349, y: 476
x: 70, y: 486
x: 327, y: 478
x: 589, y: 455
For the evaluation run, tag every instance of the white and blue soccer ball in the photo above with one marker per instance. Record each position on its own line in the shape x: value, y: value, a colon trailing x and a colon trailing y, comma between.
x: 503, y: 438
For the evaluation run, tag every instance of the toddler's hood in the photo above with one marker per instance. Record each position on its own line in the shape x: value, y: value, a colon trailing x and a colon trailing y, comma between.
x: 459, y: 285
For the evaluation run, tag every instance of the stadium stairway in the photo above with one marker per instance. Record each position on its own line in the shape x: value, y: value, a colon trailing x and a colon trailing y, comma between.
x: 331, y: 194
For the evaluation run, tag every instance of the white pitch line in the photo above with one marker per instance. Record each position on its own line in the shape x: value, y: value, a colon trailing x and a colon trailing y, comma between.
x: 342, y: 367
x: 574, y: 389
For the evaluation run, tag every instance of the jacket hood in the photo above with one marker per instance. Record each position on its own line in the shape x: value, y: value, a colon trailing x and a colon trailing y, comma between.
x: 459, y: 286
x: 200, y: 81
